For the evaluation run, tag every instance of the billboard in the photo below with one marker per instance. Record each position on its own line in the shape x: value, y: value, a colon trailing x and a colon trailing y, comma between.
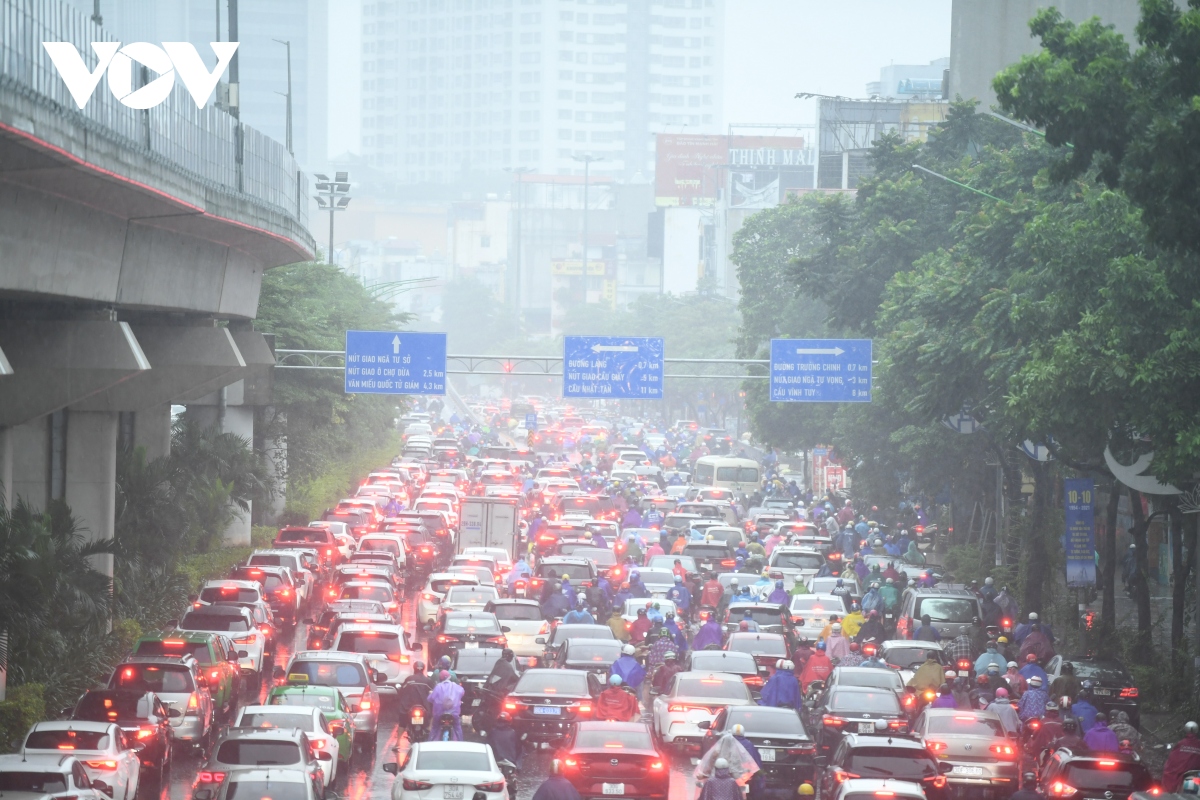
x: 683, y: 169
x: 757, y: 171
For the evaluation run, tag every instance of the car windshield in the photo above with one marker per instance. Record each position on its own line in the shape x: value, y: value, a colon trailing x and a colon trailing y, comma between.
x: 668, y: 562
x: 948, y: 609
x: 872, y: 678
x: 381, y: 642
x: 272, y: 560
x: 380, y: 593
x: 154, y: 678
x: 740, y: 663
x: 737, y: 474
x: 575, y: 572
x: 202, y: 621
x: 67, y: 740
x: 763, y: 616
x: 907, y: 764
x: 874, y: 702
x: 258, y: 753
x: 442, y: 585
x: 215, y: 594
x: 516, y: 612
x: 329, y: 673
x: 302, y: 721
x: 563, y: 682
x: 706, y: 551
x: 716, y: 688
x: 475, y: 662
x: 112, y: 706
x: 564, y: 632
x: 965, y: 725
x: 1110, y: 776
x: 266, y: 790
x: 293, y: 698
x: 597, y: 651
x: 173, y: 647
x: 762, y: 720
x: 614, y: 740
x: 455, y: 760
x: 1105, y: 673
x: 382, y: 545
x: 469, y: 595
x: 484, y: 624
x: 34, y: 782
x: 905, y: 657
x: 320, y: 537
x: 798, y: 561
x: 767, y: 646
x: 598, y: 555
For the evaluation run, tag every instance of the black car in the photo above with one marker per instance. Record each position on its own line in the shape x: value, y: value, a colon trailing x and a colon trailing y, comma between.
x: 145, y: 720
x: 787, y: 752
x: 575, y: 630
x: 731, y: 661
x: 464, y: 630
x: 770, y: 618
x: 473, y: 668
x: 1113, y: 689
x: 879, y: 757
x: 855, y: 709
x: 1074, y: 776
x: 547, y: 703
x: 590, y: 655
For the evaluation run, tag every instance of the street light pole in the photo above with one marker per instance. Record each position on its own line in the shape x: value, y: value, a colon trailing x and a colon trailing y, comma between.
x: 587, y: 160
x: 288, y: 137
x: 332, y: 196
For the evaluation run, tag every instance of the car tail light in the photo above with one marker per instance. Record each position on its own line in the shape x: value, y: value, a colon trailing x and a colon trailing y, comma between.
x: 510, y: 705
x: 884, y: 793
x: 570, y: 762
x: 428, y: 597
x: 494, y: 786
x: 1155, y: 790
x: 416, y: 786
x: 317, y: 742
x: 498, y: 639
x: 909, y: 701
x: 244, y: 640
x: 656, y: 765
x: 1060, y: 789
x: 102, y: 764
x: 443, y: 638
x: 1005, y: 751
x: 146, y: 731
x: 939, y: 781
x: 1130, y: 691
x: 728, y: 562
x: 584, y: 708
x: 1108, y: 763
x: 832, y: 722
x: 802, y: 750
x: 210, y: 777
x: 266, y: 629
x: 896, y: 724
x: 193, y: 706
x: 840, y: 775
x: 753, y: 680
x: 365, y: 705
x: 936, y: 747
x: 332, y: 591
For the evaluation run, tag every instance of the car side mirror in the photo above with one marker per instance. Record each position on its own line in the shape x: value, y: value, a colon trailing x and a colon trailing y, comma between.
x: 323, y: 756
x: 391, y: 768
x: 945, y: 768
x: 821, y: 761
x: 704, y: 724
x: 101, y: 786
x: 137, y: 747
x: 505, y: 629
x: 242, y: 654
x: 540, y: 640
x: 378, y: 677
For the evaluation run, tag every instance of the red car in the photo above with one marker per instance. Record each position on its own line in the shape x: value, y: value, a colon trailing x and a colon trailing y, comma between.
x: 615, y: 758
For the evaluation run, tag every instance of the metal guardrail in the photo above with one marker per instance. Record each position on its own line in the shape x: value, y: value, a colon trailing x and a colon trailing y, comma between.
x: 528, y: 366
x: 202, y: 142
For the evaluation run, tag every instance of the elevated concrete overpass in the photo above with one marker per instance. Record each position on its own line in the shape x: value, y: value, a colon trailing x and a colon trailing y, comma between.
x: 132, y: 249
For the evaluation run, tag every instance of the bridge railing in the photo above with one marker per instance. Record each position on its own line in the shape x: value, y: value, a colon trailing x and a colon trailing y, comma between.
x: 203, y: 142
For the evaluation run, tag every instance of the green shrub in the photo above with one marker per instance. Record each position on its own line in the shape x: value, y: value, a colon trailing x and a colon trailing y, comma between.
x: 307, y: 501
x: 25, y: 705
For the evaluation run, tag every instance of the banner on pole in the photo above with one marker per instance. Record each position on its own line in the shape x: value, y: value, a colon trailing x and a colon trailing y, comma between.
x: 1080, y: 538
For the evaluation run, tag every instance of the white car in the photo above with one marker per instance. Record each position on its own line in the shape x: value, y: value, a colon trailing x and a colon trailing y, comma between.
x: 384, y: 647
x: 308, y: 719
x: 501, y: 556
x: 99, y: 746
x: 788, y: 562
x: 658, y: 581
x: 815, y: 610
x: 635, y: 604
x: 523, y: 623
x: 449, y: 770
x: 306, y: 581
x: 46, y: 777
x: 469, y: 598
x: 695, y: 697
x: 441, y: 506
x: 238, y: 624
x: 429, y: 599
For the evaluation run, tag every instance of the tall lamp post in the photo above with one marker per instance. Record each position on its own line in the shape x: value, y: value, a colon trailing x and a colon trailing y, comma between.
x: 587, y: 160
x: 520, y: 172
x: 288, y: 137
x: 332, y: 195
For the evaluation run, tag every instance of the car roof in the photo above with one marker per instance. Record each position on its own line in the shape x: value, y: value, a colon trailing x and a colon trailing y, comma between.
x: 515, y: 601
x: 728, y: 677
x: 327, y: 655
x: 870, y: 740
x: 261, y: 733
x: 72, y: 724
x: 872, y: 785
x: 470, y: 747
x: 273, y: 774
x: 13, y: 762
x: 742, y: 635
x: 917, y: 644
x: 564, y: 560
x: 278, y: 709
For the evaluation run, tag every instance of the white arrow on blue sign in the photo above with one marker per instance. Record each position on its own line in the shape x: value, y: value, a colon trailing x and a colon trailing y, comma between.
x: 387, y: 362
x: 821, y: 370
x: 612, y: 367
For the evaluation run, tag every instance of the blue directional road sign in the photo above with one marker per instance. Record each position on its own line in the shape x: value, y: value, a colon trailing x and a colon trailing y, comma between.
x: 391, y: 362
x: 821, y: 370
x: 531, y: 421
x: 612, y: 367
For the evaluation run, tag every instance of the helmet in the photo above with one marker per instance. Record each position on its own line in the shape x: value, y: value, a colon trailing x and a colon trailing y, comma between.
x: 1004, y: 640
x: 1191, y: 727
x: 721, y: 763
x: 951, y: 673
x: 1030, y: 658
x: 854, y: 646
x: 733, y: 582
x: 444, y: 662
x: 779, y: 663
x: 878, y: 542
x: 779, y: 584
x: 669, y: 655
x: 663, y: 633
x: 614, y: 680
x: 988, y: 581
x: 1036, y: 680
x: 804, y: 640
x: 821, y: 646
x: 836, y: 627
x: 443, y: 675
x: 1001, y: 692
x: 1012, y: 665
x: 743, y: 625
x: 739, y: 730
x: 1051, y: 705
x: 418, y: 666
x: 628, y: 650
x: 805, y: 789
x: 981, y: 679
x: 875, y: 584
x: 504, y: 716
x: 679, y: 579
x: 1033, y: 617
x: 1133, y: 545
x: 507, y: 653
x: 840, y: 582
x: 581, y: 597
x: 888, y: 581
x: 993, y: 668
x: 788, y: 665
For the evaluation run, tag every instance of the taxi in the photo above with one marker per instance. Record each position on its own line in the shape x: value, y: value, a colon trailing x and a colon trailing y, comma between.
x: 339, y: 717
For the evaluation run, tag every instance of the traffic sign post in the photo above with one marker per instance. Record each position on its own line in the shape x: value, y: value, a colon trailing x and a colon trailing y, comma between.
x: 612, y: 367
x: 821, y: 370
x: 531, y: 421
x: 391, y: 362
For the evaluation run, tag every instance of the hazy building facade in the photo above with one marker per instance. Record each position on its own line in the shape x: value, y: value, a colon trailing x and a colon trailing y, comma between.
x: 454, y: 89
x: 910, y: 81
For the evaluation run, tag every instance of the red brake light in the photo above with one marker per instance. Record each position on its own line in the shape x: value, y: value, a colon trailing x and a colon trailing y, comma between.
x: 656, y: 765
x: 936, y: 747
x: 1005, y: 751
x: 832, y: 722
x: 1108, y: 763
x: 102, y: 764
x: 1062, y: 789
x: 1130, y: 691
x: 210, y: 777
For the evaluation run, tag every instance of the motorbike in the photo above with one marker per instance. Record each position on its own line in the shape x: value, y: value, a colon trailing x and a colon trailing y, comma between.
x: 418, y: 723
x: 446, y: 734
x: 483, y: 715
x: 520, y: 589
x: 509, y: 770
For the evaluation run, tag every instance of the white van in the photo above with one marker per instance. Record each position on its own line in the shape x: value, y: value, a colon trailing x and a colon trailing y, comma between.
x: 742, y: 475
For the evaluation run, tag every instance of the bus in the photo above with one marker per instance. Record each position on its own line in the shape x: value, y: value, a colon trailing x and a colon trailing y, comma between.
x: 742, y: 475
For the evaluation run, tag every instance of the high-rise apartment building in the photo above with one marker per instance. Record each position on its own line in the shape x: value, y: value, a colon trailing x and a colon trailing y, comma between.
x: 456, y: 89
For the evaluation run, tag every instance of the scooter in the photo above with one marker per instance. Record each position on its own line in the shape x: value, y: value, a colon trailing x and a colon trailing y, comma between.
x: 509, y: 770
x: 418, y: 723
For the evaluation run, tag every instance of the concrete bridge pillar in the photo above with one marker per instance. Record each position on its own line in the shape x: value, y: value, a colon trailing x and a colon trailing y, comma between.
x: 152, y: 430
x: 90, y: 479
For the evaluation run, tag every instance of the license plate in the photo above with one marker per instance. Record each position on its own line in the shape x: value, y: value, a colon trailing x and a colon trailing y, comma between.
x: 766, y: 753
x: 1102, y: 692
x: 866, y: 727
x: 476, y: 702
x: 471, y: 645
x: 972, y: 771
x: 613, y: 788
x: 706, y: 565
x: 452, y: 792
x: 550, y: 711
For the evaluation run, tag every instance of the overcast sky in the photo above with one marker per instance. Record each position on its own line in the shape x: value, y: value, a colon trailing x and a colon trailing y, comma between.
x: 773, y: 49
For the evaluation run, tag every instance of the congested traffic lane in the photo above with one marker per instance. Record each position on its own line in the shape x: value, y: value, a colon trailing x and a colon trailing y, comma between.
x: 366, y: 779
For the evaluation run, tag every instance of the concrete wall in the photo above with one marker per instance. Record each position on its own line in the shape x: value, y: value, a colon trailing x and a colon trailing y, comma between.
x: 988, y: 35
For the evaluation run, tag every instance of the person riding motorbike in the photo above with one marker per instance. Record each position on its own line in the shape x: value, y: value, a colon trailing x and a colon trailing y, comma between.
x: 1033, y: 702
x: 1070, y: 737
x: 817, y: 668
x: 556, y: 787
x: 628, y: 669
x: 616, y: 704
x: 505, y: 740
x: 414, y: 691
x: 1002, y: 707
x: 1100, y: 738
x: 1184, y: 757
x: 661, y: 681
x: 579, y: 614
x: 781, y: 689
x: 929, y: 675
x: 1066, y: 684
x: 872, y: 629
x: 504, y: 674
x: 446, y: 700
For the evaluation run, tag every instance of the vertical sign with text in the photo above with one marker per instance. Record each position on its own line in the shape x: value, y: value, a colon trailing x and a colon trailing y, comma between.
x: 1080, y: 539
